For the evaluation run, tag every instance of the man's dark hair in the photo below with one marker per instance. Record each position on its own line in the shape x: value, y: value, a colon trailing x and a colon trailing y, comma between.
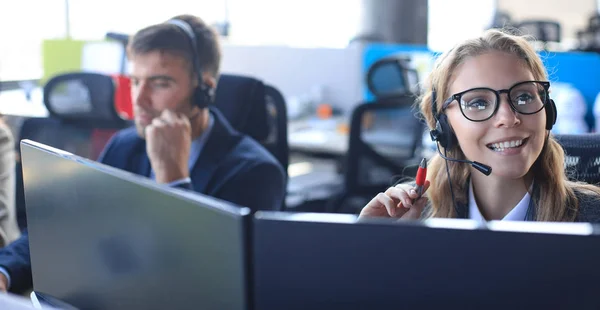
x: 171, y: 39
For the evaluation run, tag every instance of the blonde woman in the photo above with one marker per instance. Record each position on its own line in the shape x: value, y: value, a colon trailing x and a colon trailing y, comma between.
x: 488, y: 101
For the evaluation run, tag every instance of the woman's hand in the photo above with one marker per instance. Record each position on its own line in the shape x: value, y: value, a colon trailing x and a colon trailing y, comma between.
x: 397, y: 202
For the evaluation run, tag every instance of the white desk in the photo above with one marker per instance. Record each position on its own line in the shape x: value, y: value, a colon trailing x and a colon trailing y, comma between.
x: 323, y: 136
x: 15, y: 302
x: 14, y: 102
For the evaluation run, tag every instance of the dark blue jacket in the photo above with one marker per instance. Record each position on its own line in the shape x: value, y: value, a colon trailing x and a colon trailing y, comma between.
x: 231, y: 166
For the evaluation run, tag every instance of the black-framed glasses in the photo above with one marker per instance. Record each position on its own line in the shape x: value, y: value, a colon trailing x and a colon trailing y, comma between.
x: 481, y: 103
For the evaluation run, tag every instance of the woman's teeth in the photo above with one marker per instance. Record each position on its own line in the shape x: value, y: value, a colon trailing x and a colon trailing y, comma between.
x: 501, y: 146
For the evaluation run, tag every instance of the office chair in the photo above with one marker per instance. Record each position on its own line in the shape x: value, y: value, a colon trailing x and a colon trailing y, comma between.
x: 385, y: 134
x: 82, y: 118
x: 277, y: 143
x: 544, y: 31
x: 594, y: 22
x: 377, y: 158
x: 257, y: 110
x: 582, y: 156
x: 587, y: 38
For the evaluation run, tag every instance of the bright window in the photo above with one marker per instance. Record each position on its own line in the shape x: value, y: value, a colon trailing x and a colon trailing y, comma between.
x: 305, y: 23
x: 302, y: 23
x: 453, y: 21
x: 23, y: 26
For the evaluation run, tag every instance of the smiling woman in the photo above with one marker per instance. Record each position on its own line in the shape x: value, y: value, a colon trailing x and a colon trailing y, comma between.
x: 487, y: 101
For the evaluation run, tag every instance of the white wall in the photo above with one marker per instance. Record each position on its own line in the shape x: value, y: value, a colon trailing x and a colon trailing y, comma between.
x: 298, y: 71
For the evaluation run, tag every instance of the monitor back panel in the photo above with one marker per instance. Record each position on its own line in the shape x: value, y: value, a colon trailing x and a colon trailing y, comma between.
x: 102, y: 238
x: 336, y: 263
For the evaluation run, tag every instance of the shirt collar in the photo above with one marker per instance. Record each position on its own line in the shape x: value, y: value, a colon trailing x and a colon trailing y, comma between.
x: 518, y: 213
x: 198, y: 143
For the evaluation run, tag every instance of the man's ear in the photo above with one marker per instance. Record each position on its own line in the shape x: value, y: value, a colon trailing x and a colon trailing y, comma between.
x: 209, y: 80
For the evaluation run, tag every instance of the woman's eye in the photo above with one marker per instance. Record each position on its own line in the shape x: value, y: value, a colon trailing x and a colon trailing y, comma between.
x: 477, y: 104
x: 523, y: 99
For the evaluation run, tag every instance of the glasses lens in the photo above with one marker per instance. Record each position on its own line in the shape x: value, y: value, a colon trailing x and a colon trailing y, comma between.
x: 478, y: 104
x: 528, y: 98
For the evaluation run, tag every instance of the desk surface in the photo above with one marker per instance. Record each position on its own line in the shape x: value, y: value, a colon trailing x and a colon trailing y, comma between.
x: 323, y: 136
x: 14, y: 102
x: 15, y: 302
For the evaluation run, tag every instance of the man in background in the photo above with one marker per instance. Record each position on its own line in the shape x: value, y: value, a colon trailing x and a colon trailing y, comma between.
x: 178, y: 138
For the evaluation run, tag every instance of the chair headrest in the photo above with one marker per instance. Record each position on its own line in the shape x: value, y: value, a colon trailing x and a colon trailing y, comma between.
x: 242, y: 101
x: 82, y: 96
x: 391, y: 77
x: 542, y: 30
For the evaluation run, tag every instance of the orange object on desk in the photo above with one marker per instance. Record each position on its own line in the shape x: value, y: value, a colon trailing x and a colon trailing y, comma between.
x: 324, y: 111
x: 343, y: 128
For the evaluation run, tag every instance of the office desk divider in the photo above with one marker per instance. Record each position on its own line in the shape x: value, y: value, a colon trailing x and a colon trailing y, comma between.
x: 102, y: 238
x: 334, y: 261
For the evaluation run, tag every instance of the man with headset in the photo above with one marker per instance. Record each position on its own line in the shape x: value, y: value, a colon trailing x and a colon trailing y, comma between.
x: 178, y: 139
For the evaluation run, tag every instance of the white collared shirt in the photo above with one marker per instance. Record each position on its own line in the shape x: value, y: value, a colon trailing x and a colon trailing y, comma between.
x: 518, y: 213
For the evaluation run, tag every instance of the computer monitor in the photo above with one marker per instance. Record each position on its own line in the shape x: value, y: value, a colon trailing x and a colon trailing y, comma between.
x: 102, y: 238
x: 333, y: 261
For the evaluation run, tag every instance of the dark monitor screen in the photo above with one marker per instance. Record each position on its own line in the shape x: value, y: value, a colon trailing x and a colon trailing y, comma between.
x: 102, y: 238
x: 332, y: 261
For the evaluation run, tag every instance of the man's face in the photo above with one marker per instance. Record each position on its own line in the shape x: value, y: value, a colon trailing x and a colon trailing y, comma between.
x: 159, y: 81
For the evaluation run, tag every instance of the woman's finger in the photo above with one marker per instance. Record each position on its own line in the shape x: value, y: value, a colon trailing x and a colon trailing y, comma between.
x: 400, y: 196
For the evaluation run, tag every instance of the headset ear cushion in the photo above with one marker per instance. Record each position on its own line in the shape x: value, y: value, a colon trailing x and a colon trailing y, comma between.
x: 199, y: 97
x: 551, y: 114
x: 447, y: 139
x: 202, y: 96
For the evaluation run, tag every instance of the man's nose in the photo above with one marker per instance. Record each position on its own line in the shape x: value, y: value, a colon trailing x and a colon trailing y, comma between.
x: 140, y: 94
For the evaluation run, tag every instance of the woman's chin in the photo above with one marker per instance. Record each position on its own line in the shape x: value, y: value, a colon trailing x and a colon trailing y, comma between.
x: 510, y: 171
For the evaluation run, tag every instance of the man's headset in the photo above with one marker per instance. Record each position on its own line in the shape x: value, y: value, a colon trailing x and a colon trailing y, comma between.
x: 203, y: 94
x: 446, y: 138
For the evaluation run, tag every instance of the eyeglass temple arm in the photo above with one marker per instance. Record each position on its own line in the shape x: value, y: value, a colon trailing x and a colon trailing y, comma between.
x: 447, y: 103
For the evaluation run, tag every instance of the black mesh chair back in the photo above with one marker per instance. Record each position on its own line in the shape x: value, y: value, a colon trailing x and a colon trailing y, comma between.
x: 582, y: 156
x: 385, y: 138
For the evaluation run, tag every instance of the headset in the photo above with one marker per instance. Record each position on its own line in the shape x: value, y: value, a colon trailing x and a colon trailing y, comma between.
x: 203, y: 94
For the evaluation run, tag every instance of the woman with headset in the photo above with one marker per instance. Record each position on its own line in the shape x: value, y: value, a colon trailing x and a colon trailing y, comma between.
x: 488, y: 107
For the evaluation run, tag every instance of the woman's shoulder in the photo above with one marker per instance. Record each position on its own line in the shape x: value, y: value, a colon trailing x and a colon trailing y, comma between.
x: 589, y: 204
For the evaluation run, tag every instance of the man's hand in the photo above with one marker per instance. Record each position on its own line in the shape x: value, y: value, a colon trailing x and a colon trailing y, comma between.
x: 168, y: 142
x: 3, y: 283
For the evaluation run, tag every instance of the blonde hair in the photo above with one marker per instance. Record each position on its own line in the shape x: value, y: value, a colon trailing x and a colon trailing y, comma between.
x: 556, y: 200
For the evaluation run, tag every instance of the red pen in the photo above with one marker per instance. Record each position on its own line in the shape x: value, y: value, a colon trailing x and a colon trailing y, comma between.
x: 421, y: 175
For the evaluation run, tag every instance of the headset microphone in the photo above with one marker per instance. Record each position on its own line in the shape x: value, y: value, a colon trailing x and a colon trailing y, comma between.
x: 485, y: 169
x: 443, y: 135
